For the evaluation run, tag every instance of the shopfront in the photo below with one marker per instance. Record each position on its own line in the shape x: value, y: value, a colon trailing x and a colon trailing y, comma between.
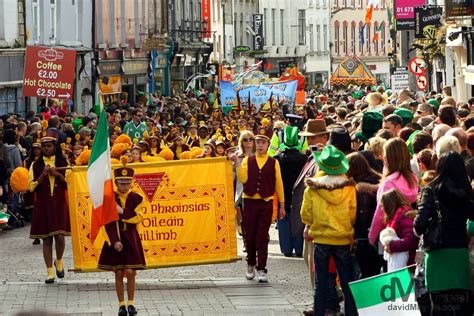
x: 110, y: 80
x: 135, y: 78
x: 11, y: 81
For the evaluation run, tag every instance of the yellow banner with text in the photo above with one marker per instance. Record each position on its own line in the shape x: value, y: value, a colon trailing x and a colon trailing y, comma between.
x: 189, y: 217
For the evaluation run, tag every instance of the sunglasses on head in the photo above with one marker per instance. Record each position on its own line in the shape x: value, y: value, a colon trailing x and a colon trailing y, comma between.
x: 248, y: 139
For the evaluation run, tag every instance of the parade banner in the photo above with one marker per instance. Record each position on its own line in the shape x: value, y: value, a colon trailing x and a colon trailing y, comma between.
x: 228, y: 96
x: 189, y: 216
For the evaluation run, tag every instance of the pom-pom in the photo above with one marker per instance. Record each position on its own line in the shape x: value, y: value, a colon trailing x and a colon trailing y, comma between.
x: 197, y: 152
x: 265, y: 122
x: 185, y: 155
x: 19, y: 180
x: 229, y: 137
x: 233, y: 123
x: 135, y: 140
x: 146, y: 135
x: 77, y: 137
x: 83, y: 158
x: 114, y: 161
x: 124, y: 139
x: 117, y: 150
x: 124, y: 160
x: 242, y: 113
x: 68, y: 140
x: 166, y: 154
x: 44, y: 124
x: 152, y: 158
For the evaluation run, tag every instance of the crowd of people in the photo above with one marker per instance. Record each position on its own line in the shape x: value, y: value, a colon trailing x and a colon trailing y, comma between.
x: 361, y: 181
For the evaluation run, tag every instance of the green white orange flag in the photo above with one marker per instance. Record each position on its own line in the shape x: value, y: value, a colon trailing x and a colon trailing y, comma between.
x: 99, y: 179
x: 386, y: 294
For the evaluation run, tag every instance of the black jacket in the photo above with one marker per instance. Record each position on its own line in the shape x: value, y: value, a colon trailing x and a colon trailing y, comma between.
x: 366, y: 203
x: 291, y: 162
x: 455, y: 206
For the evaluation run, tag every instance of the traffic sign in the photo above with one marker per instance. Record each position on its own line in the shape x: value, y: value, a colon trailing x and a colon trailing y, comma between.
x: 417, y: 66
x: 49, y: 72
x: 422, y: 82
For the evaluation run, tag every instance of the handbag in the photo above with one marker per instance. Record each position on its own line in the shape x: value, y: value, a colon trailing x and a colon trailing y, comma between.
x: 433, y: 237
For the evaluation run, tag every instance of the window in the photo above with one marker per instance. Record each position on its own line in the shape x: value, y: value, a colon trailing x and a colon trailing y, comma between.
x: 318, y: 38
x: 301, y: 27
x: 52, y: 19
x: 359, y: 4
x: 336, y: 38
x: 36, y: 20
x: 361, y: 39
x: 367, y: 30
x: 382, y: 38
x: 344, y: 38
x: 325, y: 4
x: 325, y: 37
x: 273, y: 26
x: 282, y: 27
x: 311, y: 38
x: 353, y: 37
x: 376, y: 38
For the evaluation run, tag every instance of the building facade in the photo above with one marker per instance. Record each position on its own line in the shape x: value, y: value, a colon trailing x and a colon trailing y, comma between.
x: 191, y: 33
x: 318, y: 57
x: 351, y: 37
x: 12, y: 56
x: 121, y: 65
x: 285, y: 36
x: 65, y: 24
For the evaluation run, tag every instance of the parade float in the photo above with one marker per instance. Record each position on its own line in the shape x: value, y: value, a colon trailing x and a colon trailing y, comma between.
x: 352, y: 71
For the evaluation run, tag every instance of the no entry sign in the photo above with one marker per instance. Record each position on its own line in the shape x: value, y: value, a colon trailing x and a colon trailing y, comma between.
x: 49, y: 72
x: 422, y: 82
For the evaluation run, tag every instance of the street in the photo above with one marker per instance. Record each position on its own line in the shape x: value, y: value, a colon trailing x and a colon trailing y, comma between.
x: 193, y: 290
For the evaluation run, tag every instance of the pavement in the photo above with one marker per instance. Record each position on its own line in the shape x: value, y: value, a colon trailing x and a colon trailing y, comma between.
x: 219, y: 289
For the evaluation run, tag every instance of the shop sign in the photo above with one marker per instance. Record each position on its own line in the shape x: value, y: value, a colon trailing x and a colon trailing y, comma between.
x: 405, y: 13
x: 135, y: 67
x: 258, y: 40
x: 459, y: 7
x: 109, y: 68
x: 427, y: 22
x: 49, y: 72
x: 242, y: 49
x: 206, y: 18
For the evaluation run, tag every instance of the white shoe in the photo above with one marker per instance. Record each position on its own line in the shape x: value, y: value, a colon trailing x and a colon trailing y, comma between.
x: 262, y: 276
x: 250, y: 275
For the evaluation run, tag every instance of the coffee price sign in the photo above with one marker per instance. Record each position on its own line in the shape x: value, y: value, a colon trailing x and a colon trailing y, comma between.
x: 49, y: 72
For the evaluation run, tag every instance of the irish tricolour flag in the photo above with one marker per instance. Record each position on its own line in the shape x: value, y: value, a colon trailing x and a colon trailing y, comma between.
x: 99, y: 179
x: 386, y: 294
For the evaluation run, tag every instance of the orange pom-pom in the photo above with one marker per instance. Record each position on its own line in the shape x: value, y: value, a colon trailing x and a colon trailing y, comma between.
x: 185, y: 155
x: 166, y: 154
x: 83, y: 159
x: 124, y: 160
x: 77, y: 137
x: 265, y: 122
x: 197, y: 152
x: 152, y: 158
x: 117, y: 150
x: 44, y: 124
x: 19, y: 179
x: 124, y: 139
x: 114, y: 161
